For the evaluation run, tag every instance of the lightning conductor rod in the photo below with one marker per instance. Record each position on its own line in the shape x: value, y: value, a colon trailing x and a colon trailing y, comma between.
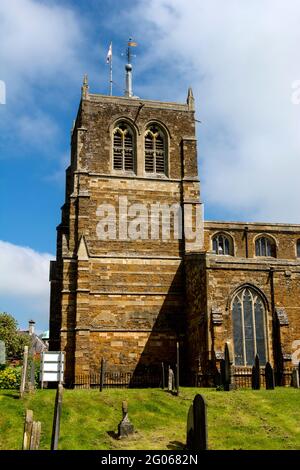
x: 128, y: 68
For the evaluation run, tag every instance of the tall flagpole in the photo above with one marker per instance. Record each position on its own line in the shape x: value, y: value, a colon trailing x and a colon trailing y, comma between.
x: 109, y: 60
x: 110, y: 74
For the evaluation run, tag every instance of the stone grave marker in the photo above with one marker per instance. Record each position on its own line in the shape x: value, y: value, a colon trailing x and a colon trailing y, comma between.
x: 255, y: 379
x: 170, y: 380
x: 190, y: 428
x: 269, y: 377
x: 2, y: 353
x: 295, y: 378
x: 226, y: 370
x: 125, y: 427
x: 197, y: 425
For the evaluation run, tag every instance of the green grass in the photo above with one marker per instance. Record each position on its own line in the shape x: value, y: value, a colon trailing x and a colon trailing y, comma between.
x: 243, y: 419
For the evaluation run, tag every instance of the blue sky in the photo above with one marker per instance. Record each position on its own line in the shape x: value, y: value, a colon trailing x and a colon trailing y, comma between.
x: 242, y: 63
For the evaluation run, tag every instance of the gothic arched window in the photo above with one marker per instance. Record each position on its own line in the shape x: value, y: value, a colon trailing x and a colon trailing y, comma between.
x: 298, y: 248
x: 155, y: 150
x: 265, y: 246
x: 222, y: 244
x: 123, y: 147
x: 249, y: 328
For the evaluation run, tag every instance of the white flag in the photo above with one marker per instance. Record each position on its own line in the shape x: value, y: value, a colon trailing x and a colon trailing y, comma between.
x: 109, y: 54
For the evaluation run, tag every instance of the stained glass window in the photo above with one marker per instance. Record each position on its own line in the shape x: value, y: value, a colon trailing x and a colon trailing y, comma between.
x: 249, y: 328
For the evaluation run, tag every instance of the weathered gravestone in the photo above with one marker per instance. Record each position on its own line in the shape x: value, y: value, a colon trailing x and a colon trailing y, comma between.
x: 255, y: 378
x: 226, y: 372
x: 170, y: 380
x: 295, y: 378
x: 196, y: 438
x: 125, y: 427
x: 2, y: 353
x: 269, y: 377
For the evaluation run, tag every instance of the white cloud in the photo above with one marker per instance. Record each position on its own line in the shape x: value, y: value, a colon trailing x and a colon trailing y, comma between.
x: 242, y: 59
x: 24, y: 281
x: 38, y: 40
x: 40, y: 46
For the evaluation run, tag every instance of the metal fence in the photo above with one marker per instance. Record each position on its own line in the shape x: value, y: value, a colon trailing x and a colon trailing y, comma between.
x: 241, y: 378
x: 118, y: 380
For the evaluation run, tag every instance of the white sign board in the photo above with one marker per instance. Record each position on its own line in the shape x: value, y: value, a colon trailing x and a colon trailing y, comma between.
x: 52, y: 367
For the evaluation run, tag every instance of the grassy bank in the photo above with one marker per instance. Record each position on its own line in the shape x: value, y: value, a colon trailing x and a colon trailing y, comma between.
x: 243, y: 419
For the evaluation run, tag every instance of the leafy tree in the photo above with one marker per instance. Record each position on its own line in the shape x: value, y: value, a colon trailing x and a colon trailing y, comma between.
x: 14, y: 341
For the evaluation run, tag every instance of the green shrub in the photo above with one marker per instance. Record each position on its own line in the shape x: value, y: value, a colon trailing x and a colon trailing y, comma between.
x: 10, y: 378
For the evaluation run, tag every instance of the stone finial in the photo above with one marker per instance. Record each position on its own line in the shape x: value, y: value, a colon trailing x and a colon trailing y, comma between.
x: 190, y: 100
x: 85, y: 87
x: 82, y: 252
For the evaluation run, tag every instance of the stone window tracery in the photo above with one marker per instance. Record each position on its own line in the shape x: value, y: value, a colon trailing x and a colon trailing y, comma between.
x: 249, y: 328
x: 222, y: 244
x: 155, y: 150
x: 123, y: 148
x: 265, y: 246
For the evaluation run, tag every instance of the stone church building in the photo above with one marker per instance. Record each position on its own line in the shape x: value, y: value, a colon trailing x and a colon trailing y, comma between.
x: 130, y: 300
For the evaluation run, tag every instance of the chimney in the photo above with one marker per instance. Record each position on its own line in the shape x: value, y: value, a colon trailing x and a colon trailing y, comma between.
x: 31, y: 324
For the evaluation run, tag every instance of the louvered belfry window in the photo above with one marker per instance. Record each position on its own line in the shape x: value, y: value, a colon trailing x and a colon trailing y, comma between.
x: 123, y: 149
x: 155, y: 151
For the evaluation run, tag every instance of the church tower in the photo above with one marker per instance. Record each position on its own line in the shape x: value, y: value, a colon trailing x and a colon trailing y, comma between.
x: 118, y: 285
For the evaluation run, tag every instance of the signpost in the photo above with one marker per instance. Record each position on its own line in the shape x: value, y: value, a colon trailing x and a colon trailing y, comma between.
x: 52, y: 367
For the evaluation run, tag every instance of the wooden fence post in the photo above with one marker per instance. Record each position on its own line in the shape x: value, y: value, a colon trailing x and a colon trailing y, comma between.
x: 35, y: 435
x: 56, y: 417
x: 177, y: 368
x: 163, y: 376
x: 24, y: 372
x: 27, y: 429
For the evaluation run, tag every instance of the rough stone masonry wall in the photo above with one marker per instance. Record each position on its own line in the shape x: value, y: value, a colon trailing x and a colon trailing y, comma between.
x: 121, y: 300
x: 278, y: 279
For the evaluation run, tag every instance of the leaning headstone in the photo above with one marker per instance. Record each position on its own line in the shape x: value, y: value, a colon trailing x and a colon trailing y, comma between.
x: 56, y: 417
x: 125, y: 427
x: 197, y: 425
x: 255, y: 378
x: 2, y: 353
x: 190, y: 428
x: 171, y: 380
x: 269, y: 377
x: 24, y: 372
x: 295, y: 378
